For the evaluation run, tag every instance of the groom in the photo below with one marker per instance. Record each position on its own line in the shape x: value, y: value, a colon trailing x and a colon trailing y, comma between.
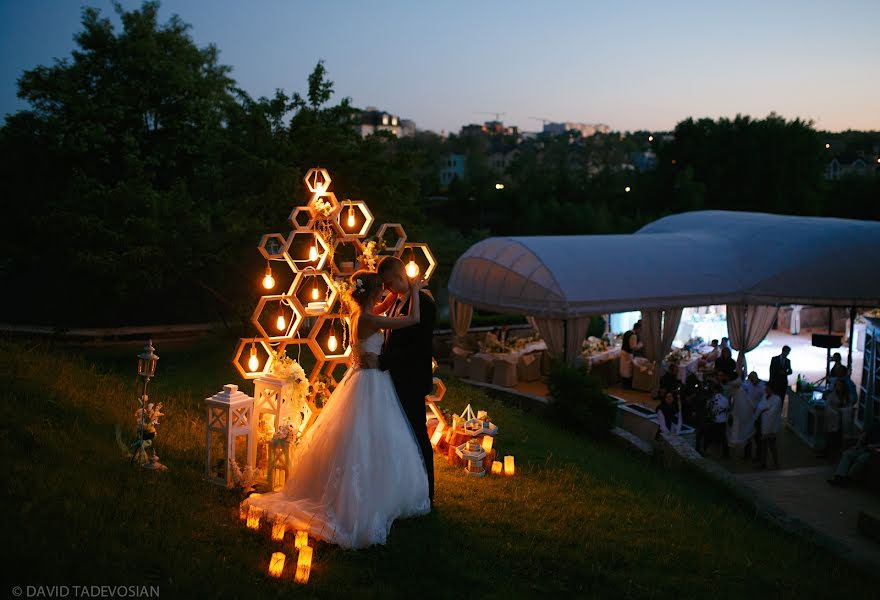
x: 407, y: 356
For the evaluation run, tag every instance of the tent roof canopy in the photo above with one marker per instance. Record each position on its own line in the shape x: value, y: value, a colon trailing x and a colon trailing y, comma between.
x: 690, y: 259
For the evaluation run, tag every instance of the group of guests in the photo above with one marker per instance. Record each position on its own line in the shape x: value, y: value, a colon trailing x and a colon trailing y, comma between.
x: 725, y: 412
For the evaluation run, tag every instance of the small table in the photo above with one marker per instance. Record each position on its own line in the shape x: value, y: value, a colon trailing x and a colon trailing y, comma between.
x: 806, y: 419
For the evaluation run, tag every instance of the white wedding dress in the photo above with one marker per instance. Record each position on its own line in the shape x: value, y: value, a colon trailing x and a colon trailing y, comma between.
x: 358, y: 468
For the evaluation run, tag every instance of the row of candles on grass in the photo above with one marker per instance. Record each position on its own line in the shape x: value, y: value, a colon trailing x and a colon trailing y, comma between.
x: 253, y: 515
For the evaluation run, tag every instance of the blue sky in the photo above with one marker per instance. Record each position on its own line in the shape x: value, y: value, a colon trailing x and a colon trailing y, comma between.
x: 632, y: 65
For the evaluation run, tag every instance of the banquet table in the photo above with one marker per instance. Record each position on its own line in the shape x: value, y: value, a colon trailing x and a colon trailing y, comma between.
x: 691, y: 365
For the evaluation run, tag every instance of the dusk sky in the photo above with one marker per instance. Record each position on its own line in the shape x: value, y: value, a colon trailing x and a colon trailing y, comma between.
x: 633, y: 65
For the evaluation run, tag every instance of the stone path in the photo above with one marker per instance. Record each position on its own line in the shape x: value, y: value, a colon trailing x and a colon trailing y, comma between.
x: 804, y: 494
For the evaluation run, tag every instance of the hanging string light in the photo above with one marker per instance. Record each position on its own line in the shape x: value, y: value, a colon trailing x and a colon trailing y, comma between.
x: 332, y: 344
x: 268, y: 280
x: 253, y: 361
x: 280, y: 322
x: 350, y: 214
x: 313, y: 251
x: 315, y: 293
x: 412, y: 269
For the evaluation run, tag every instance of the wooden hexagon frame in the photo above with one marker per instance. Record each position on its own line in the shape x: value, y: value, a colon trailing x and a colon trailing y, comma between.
x: 294, y: 308
x: 329, y: 298
x: 297, y: 213
x: 424, y: 256
x: 367, y: 218
x: 266, y: 362
x: 317, y: 180
x: 336, y: 264
x: 322, y: 256
x: 316, y: 329
x: 328, y: 197
x: 282, y: 245
x: 401, y: 237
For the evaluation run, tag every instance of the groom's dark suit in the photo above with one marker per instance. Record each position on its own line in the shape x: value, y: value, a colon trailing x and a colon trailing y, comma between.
x: 407, y: 357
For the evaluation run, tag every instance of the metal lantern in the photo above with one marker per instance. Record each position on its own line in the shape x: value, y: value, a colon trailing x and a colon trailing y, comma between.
x: 147, y: 362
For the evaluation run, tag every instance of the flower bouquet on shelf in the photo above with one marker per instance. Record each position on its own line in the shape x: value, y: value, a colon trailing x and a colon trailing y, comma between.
x: 296, y: 384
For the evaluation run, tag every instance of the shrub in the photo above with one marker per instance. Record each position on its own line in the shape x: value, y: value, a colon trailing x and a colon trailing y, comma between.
x: 578, y: 400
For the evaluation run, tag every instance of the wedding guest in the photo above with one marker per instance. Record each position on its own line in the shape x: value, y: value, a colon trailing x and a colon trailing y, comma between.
x: 712, y: 355
x: 704, y: 419
x: 796, y: 319
x: 769, y: 414
x: 719, y: 410
x: 669, y: 414
x: 630, y: 348
x: 742, y: 422
x: 837, y: 368
x: 725, y: 343
x: 754, y: 390
x: 725, y: 364
x: 669, y: 381
x: 780, y: 369
x: 837, y: 400
x: 854, y: 459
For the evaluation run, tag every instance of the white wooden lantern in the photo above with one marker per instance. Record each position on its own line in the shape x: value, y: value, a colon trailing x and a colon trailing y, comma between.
x: 271, y: 407
x: 228, y: 433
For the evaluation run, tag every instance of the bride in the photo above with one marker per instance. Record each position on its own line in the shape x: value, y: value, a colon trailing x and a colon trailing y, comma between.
x: 358, y: 468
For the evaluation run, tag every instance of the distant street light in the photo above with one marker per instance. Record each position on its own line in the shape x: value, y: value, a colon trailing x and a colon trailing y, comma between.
x: 650, y: 138
x: 499, y: 186
x: 827, y: 146
x: 627, y: 189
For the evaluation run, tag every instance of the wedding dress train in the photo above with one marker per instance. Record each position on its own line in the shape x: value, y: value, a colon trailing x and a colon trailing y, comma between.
x: 358, y: 468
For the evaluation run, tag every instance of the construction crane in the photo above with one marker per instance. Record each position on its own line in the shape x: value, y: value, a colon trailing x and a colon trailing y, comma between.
x: 498, y: 115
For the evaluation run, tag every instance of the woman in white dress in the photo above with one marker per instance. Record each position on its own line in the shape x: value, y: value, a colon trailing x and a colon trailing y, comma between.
x: 358, y: 468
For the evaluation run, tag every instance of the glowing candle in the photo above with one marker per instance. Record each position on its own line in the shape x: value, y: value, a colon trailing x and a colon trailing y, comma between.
x: 278, y: 529
x: 254, y: 515
x: 487, y: 442
x: 303, y: 565
x: 301, y: 540
x: 276, y: 564
x: 509, y: 468
x: 496, y: 467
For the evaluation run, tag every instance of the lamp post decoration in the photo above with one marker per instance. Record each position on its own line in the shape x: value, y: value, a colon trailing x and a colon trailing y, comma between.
x: 147, y: 415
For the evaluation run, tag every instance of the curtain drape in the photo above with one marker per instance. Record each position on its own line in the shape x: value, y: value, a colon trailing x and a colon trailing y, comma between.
x: 460, y: 316
x: 564, y: 338
x: 658, y: 331
x: 746, y: 327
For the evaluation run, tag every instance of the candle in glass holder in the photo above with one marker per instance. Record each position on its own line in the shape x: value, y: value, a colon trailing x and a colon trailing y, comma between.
x: 301, y: 540
x: 482, y: 415
x: 496, y: 467
x: 278, y: 529
x: 303, y: 565
x: 254, y: 515
x: 276, y: 564
x: 487, y: 442
x: 509, y: 468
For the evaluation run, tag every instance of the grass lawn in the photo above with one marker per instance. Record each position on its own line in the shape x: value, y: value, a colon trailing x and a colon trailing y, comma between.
x: 580, y: 519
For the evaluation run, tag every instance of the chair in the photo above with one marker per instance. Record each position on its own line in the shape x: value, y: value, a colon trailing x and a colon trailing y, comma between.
x: 529, y: 367
x: 504, y: 371
x: 480, y: 367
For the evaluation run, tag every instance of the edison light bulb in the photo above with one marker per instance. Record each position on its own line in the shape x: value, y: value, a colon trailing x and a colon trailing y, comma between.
x: 315, y: 292
x: 412, y: 269
x: 268, y: 280
x: 331, y: 342
x: 313, y: 252
x: 253, y: 361
x: 280, y: 322
x: 350, y: 215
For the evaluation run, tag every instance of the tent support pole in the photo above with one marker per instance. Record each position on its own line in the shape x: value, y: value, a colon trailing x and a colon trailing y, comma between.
x: 828, y: 350
x: 565, y: 340
x: 852, y: 329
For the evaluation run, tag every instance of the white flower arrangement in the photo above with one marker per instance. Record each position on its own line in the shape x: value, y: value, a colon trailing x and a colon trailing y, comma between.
x: 148, y: 417
x: 323, y: 208
x: 370, y: 257
x: 287, y: 432
x: 593, y: 345
x: 677, y: 356
x: 291, y: 372
x: 245, y: 479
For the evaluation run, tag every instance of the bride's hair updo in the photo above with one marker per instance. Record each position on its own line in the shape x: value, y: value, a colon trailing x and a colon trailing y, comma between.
x: 363, y: 284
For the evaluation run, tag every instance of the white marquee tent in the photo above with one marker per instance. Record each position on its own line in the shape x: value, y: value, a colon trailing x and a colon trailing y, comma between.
x: 749, y: 261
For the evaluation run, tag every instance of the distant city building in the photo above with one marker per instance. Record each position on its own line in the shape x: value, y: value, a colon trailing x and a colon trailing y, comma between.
x: 499, y: 162
x: 852, y: 164
x: 491, y: 128
x: 453, y: 166
x: 585, y: 129
x: 372, y: 120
